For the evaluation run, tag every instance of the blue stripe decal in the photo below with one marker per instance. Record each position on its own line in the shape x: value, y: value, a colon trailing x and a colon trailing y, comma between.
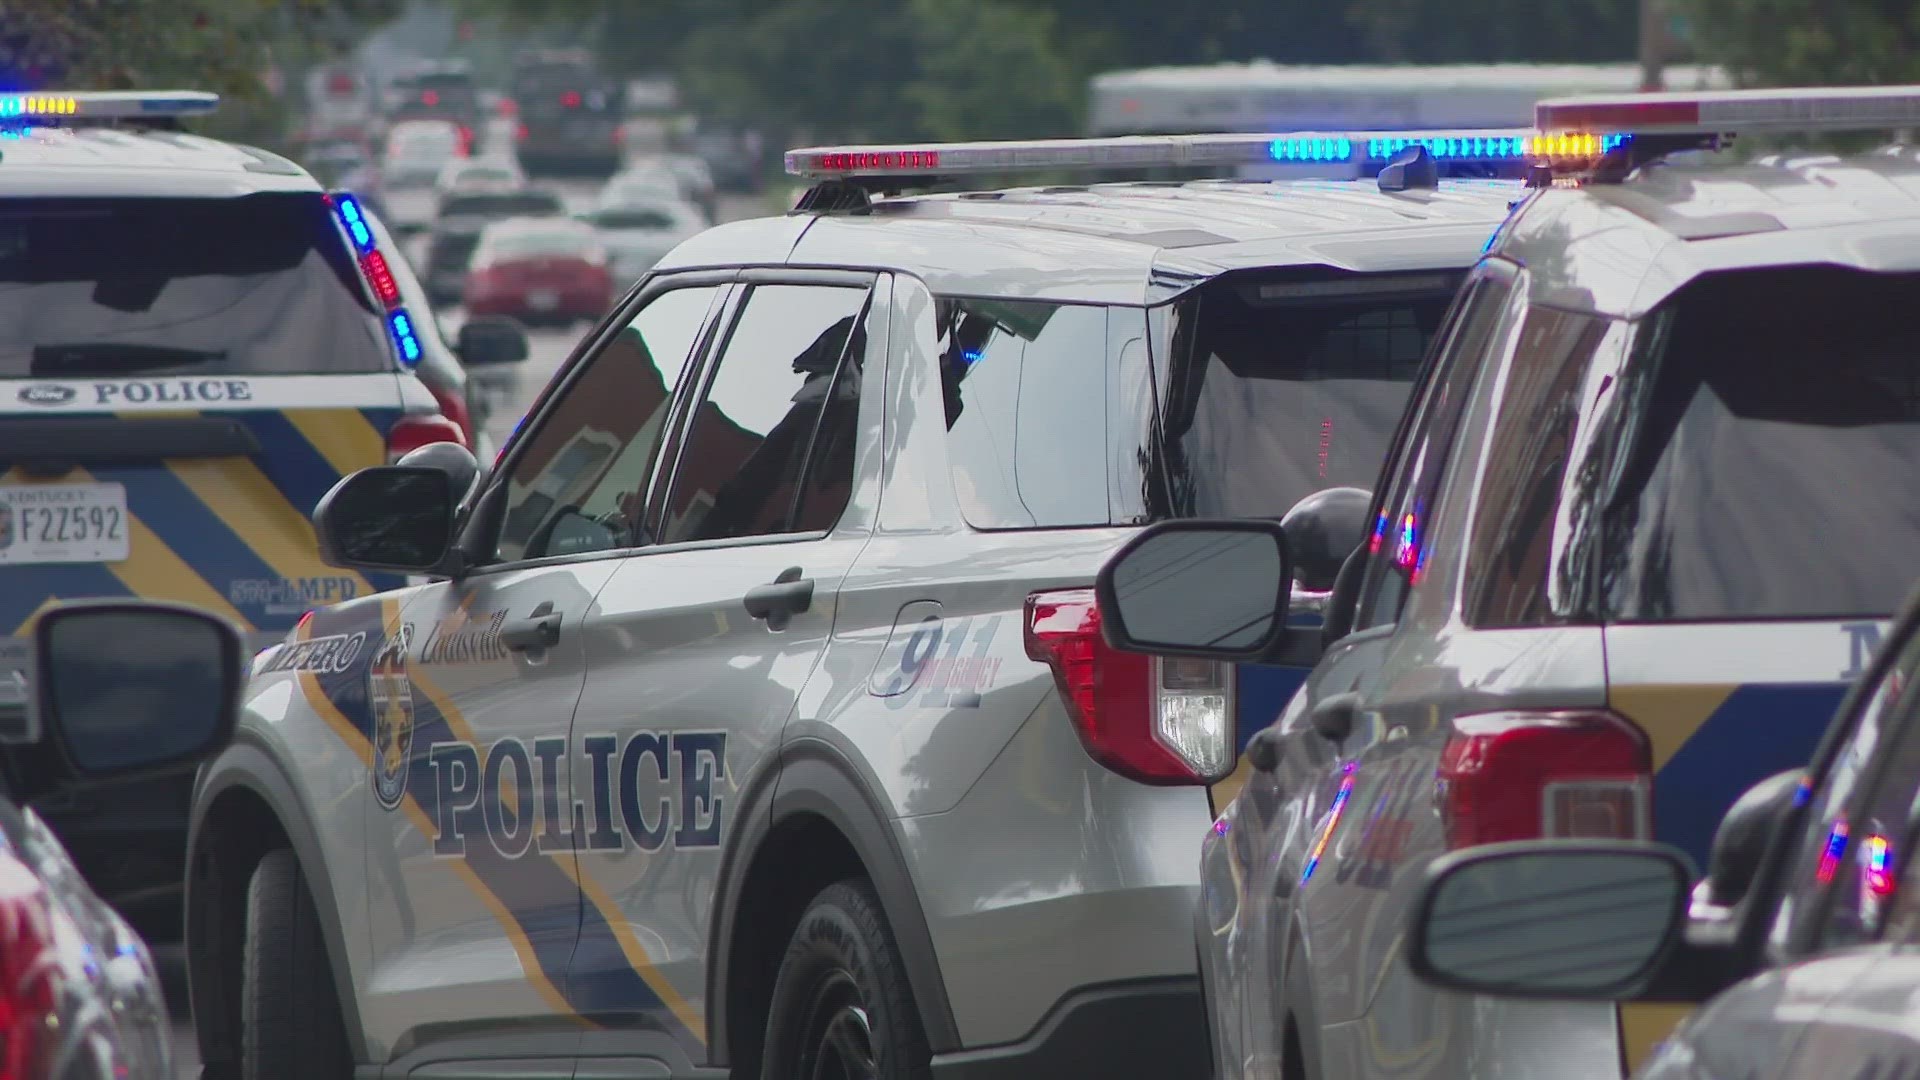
x: 195, y: 533
x: 291, y: 462
x: 381, y: 418
x: 604, y: 986
x: 1761, y: 729
x: 24, y: 588
x: 1262, y: 694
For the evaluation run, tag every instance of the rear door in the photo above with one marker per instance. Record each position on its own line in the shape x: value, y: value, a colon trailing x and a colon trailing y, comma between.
x: 172, y: 407
x: 1759, y: 529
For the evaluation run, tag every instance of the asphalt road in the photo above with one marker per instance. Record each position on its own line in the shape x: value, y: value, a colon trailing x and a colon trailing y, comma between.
x: 548, y: 350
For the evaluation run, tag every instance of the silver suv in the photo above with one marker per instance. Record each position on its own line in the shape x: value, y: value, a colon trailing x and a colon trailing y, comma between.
x: 757, y: 717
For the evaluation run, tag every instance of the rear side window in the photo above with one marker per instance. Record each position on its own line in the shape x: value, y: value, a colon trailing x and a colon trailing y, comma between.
x: 256, y: 285
x: 1278, y: 389
x: 1770, y: 457
x: 501, y: 204
x: 1025, y: 389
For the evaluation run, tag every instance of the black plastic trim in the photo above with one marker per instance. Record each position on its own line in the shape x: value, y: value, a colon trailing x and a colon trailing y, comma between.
x: 813, y: 777
x: 98, y: 440
x: 1141, y: 1027
x: 248, y: 765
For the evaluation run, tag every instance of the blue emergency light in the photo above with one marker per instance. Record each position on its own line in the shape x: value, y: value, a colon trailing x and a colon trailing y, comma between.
x: 353, y: 220
x: 41, y: 107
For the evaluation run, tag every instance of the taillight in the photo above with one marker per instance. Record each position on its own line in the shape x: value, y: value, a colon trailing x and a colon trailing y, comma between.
x: 29, y: 972
x: 1158, y: 721
x: 520, y: 132
x: 466, y: 141
x: 454, y: 407
x: 380, y: 276
x: 410, y: 433
x: 1538, y: 775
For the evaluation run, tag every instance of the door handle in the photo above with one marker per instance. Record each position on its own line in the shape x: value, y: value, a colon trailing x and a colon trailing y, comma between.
x: 789, y: 595
x: 540, y: 630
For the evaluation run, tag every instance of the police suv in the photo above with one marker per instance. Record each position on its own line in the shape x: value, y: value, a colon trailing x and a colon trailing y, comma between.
x: 1645, y: 522
x: 198, y: 345
x: 759, y: 718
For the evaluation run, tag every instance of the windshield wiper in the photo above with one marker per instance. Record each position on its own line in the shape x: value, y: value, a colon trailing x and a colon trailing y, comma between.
x: 113, y: 358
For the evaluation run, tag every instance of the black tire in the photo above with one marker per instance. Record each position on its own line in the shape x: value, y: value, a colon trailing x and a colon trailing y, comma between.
x: 289, y: 1015
x: 842, y: 986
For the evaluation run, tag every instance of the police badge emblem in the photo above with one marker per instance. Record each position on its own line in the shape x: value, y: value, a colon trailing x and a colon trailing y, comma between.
x: 391, y: 696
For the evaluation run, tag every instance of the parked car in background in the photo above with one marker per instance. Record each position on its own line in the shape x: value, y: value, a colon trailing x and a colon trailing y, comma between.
x: 457, y: 229
x: 336, y: 163
x: 690, y: 175
x: 569, y: 113
x: 493, y: 349
x: 549, y: 271
x: 125, y: 690
x: 732, y: 156
x: 416, y: 152
x: 477, y: 175
x: 637, y: 234
x: 438, y: 90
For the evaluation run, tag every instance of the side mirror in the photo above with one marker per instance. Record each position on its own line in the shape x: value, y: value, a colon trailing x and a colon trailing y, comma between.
x: 390, y: 517
x: 1741, y: 841
x: 128, y: 688
x: 1211, y: 589
x: 485, y: 342
x: 1554, y: 919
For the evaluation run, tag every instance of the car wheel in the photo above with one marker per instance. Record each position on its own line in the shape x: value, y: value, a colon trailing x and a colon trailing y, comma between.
x: 841, y: 1003
x: 289, y: 1015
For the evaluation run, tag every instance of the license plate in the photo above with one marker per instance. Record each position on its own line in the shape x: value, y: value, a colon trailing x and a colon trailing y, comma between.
x: 543, y: 301
x: 63, y: 523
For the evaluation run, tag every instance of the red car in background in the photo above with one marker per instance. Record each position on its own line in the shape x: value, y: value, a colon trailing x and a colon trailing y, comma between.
x: 539, y: 271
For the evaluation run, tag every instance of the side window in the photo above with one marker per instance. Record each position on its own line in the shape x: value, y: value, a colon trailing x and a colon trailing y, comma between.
x: 1535, y: 430
x: 1395, y: 556
x: 1025, y: 387
x: 743, y: 467
x: 581, y: 482
x: 1840, y: 883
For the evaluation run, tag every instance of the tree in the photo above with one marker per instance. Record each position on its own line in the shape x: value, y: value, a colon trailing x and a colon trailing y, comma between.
x: 988, y: 70
x: 223, y: 46
x: 1807, y: 42
x: 1497, y: 31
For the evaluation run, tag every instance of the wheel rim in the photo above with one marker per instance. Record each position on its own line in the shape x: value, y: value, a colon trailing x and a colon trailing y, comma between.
x: 839, y: 1039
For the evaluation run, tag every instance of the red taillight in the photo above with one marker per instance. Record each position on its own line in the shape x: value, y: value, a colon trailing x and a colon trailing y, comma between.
x: 29, y: 972
x: 410, y: 433
x: 520, y: 132
x: 1537, y: 775
x: 1157, y: 721
x: 570, y: 99
x: 466, y: 141
x: 454, y: 408
x: 430, y: 97
x: 374, y: 266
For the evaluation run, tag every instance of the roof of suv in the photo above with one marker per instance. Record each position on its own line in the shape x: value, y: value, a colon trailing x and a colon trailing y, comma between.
x: 1619, y: 249
x: 1127, y: 243
x: 43, y: 162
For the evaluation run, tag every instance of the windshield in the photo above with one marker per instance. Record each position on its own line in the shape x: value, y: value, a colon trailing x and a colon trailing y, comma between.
x: 1275, y: 389
x: 1765, y: 402
x: 101, y: 287
x: 647, y: 220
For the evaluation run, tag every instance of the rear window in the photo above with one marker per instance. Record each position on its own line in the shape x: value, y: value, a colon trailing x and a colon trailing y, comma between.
x: 634, y: 219
x: 1274, y: 389
x: 533, y: 243
x: 1768, y: 471
x: 492, y: 205
x: 260, y: 284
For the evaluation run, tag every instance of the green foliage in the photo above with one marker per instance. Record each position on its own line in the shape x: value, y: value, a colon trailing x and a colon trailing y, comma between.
x: 1808, y: 42
x: 225, y: 46
x: 1498, y: 31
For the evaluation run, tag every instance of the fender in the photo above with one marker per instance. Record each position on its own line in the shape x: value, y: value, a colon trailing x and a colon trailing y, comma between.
x: 246, y: 764
x: 812, y: 776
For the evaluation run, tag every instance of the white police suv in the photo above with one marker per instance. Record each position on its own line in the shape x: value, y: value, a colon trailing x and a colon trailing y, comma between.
x: 199, y: 342
x: 1646, y: 522
x: 757, y: 718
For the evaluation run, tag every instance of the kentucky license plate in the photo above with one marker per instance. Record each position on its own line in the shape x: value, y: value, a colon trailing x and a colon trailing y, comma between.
x: 63, y: 523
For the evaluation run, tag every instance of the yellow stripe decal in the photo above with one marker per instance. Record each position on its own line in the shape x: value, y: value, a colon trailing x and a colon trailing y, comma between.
x: 1644, y: 1026
x: 1669, y: 714
x: 342, y: 436
x: 242, y: 497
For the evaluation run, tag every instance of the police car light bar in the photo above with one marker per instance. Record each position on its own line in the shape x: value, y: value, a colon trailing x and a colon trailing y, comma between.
x: 1722, y: 112
x: 1187, y: 151
x: 106, y: 105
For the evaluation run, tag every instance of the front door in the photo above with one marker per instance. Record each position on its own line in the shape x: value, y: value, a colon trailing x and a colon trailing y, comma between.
x: 700, y: 648
x: 475, y: 903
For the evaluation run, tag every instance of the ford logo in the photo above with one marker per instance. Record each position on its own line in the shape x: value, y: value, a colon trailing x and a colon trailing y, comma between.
x: 46, y: 395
